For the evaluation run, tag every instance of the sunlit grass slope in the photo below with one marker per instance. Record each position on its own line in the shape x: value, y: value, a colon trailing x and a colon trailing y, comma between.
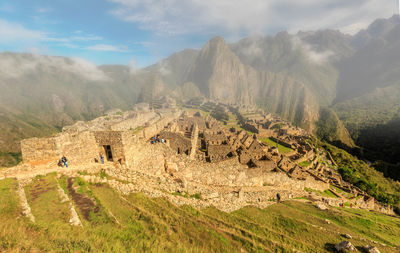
x: 136, y: 223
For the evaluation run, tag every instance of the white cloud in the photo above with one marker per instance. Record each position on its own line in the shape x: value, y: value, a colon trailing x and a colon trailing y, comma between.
x: 163, y: 68
x: 43, y: 10
x: 89, y: 37
x: 17, y: 65
x: 51, y: 39
x: 105, y: 47
x: 171, y: 17
x: 354, y: 28
x: 81, y: 38
x: 317, y: 57
x: 13, y: 32
x: 133, y: 69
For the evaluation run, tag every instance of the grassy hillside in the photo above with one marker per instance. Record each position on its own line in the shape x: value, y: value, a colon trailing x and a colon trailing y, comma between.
x: 365, y: 177
x: 115, y: 223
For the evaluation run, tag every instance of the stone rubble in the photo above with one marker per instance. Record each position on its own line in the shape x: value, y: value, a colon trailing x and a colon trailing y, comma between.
x: 321, y: 206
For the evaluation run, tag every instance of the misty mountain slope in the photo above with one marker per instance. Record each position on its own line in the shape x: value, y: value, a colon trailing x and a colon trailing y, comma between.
x: 43, y: 93
x: 374, y: 65
x: 377, y: 107
x: 175, y: 68
x: 305, y: 57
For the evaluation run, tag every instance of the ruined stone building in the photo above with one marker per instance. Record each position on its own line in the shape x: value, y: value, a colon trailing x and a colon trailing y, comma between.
x: 83, y: 142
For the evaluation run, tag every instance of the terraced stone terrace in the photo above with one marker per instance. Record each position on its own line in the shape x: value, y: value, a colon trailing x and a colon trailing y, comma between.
x: 135, y: 222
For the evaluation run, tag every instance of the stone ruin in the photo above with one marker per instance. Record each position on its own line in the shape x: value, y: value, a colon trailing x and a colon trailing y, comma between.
x: 201, y: 153
x: 112, y: 135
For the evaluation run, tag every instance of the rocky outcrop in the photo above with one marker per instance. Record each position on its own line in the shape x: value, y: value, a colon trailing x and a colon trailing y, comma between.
x: 345, y: 246
x: 371, y: 249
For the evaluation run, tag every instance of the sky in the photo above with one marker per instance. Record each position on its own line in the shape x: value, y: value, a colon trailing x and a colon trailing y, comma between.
x: 142, y: 32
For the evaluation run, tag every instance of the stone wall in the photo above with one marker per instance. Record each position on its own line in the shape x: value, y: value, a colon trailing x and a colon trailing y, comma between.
x: 158, y: 126
x: 138, y: 120
x: 78, y: 148
x: 194, y: 139
x: 112, y: 139
x: 35, y: 149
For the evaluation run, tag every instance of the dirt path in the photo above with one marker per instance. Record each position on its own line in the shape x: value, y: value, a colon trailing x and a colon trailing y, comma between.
x: 84, y: 203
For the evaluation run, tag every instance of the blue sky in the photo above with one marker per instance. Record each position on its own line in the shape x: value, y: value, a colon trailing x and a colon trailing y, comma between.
x: 144, y: 31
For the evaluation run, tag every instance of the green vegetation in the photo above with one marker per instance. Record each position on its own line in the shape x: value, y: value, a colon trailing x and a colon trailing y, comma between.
x: 305, y: 163
x: 282, y: 149
x: 44, y: 201
x: 187, y: 195
x: 366, y: 178
x: 332, y: 130
x: 326, y: 193
x: 277, y: 126
x: 341, y: 192
x: 136, y: 223
x: 8, y: 159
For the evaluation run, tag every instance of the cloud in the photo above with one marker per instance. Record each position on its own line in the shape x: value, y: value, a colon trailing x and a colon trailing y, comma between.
x: 17, y: 65
x: 163, y: 68
x: 317, y: 57
x: 13, y: 32
x: 43, y: 10
x: 105, y: 47
x: 174, y: 17
x: 354, y: 28
x: 51, y: 39
x: 89, y: 37
x: 133, y: 69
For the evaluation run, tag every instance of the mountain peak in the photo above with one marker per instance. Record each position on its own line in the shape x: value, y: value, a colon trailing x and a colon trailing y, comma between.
x: 217, y: 40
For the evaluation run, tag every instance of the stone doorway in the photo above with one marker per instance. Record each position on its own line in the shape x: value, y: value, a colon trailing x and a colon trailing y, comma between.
x: 108, y: 152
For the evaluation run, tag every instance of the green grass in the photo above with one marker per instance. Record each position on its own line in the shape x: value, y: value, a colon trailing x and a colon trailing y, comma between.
x: 305, y: 163
x: 341, y: 192
x: 43, y: 198
x: 141, y: 224
x: 282, y: 149
x: 326, y: 193
x: 187, y: 195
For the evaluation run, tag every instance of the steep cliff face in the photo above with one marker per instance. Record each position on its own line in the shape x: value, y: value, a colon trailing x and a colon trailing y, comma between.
x: 220, y: 75
x: 305, y: 57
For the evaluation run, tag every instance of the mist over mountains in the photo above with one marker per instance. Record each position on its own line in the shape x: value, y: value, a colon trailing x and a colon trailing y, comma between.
x: 335, y: 85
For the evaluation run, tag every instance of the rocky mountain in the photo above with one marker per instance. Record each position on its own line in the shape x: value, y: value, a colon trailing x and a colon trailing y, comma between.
x: 221, y: 75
